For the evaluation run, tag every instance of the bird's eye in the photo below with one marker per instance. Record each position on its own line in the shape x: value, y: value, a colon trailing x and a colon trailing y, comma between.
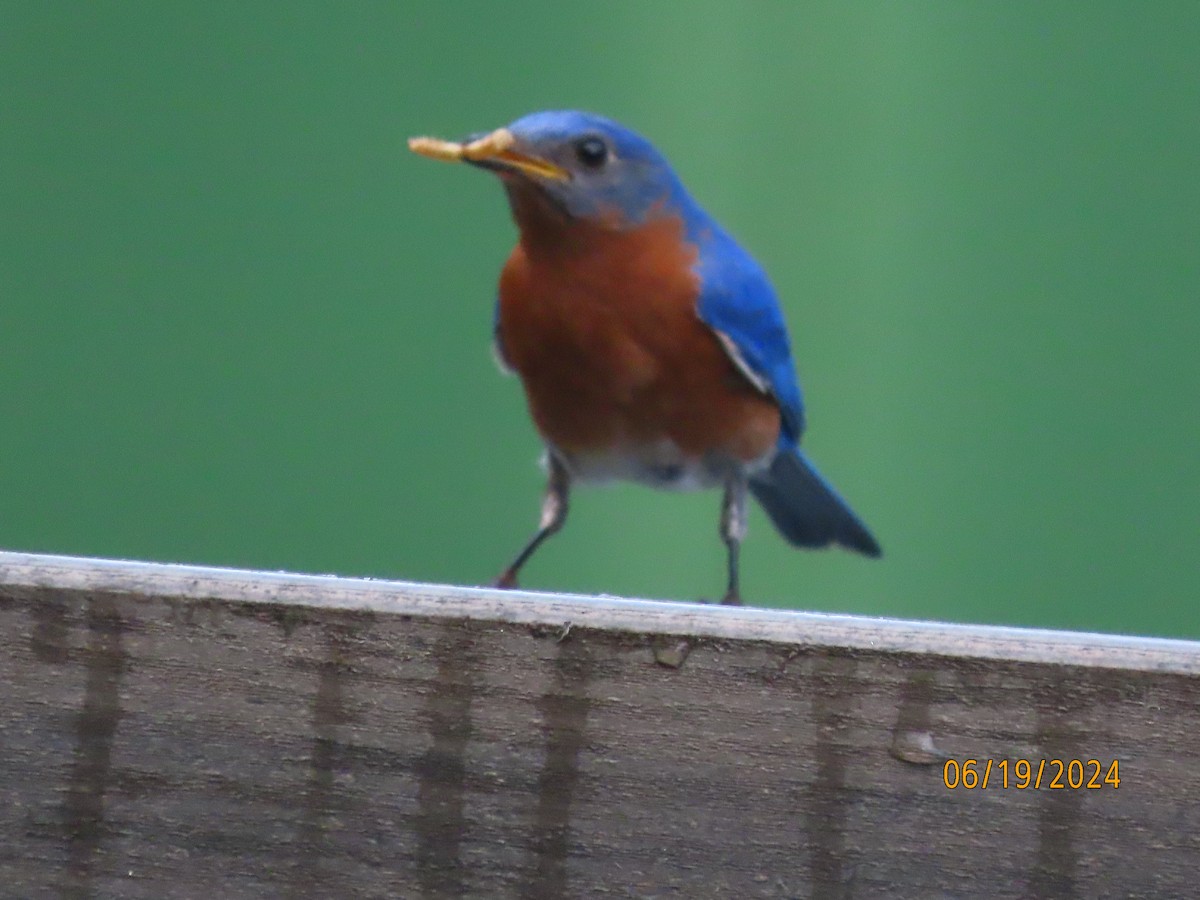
x: 592, y: 152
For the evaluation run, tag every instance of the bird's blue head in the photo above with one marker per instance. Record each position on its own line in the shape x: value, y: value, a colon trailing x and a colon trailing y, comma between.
x: 587, y: 167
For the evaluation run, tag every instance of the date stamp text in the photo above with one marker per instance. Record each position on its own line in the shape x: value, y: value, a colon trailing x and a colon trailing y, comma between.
x: 1031, y: 774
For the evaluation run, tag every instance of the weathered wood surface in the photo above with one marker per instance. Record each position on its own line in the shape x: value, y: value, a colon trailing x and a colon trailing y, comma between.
x: 183, y: 732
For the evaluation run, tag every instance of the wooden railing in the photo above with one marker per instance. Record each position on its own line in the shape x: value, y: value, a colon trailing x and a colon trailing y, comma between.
x: 183, y: 731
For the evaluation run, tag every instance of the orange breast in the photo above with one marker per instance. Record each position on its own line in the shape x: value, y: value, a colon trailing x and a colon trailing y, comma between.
x: 601, y: 325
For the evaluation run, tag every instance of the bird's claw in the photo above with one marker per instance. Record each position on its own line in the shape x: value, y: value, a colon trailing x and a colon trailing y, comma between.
x: 506, y: 580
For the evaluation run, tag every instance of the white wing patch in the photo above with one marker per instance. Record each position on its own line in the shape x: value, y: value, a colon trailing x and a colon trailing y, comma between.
x: 732, y: 351
x: 498, y: 357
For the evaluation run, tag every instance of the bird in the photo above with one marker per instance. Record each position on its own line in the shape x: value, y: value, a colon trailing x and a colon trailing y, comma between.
x: 651, y: 346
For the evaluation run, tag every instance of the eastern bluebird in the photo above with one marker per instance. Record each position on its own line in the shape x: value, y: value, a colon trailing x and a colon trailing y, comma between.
x: 650, y: 344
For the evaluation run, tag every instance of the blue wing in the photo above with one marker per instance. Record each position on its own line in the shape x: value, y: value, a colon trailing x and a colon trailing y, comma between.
x: 738, y: 303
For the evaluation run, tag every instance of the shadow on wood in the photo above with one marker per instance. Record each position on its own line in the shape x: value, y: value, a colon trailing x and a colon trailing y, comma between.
x: 179, y: 731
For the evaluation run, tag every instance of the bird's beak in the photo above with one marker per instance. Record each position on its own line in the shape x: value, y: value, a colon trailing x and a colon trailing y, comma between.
x: 493, y: 151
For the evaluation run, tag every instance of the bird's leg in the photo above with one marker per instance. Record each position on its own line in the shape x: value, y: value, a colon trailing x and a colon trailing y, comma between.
x: 733, y: 530
x: 554, y: 514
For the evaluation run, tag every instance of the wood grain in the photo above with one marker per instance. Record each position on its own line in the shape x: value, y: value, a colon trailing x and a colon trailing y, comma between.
x: 178, y: 731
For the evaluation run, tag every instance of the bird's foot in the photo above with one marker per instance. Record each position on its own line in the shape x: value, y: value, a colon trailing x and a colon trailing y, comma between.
x: 506, y: 580
x: 732, y: 598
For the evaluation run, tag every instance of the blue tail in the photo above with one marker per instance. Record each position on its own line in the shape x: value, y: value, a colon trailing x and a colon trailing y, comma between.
x: 806, y: 509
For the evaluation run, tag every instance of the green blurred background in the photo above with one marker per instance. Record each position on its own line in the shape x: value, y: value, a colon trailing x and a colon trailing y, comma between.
x: 242, y: 326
